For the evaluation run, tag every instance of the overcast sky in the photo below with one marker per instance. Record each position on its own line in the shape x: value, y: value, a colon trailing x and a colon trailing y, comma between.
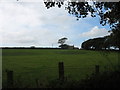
x: 30, y: 23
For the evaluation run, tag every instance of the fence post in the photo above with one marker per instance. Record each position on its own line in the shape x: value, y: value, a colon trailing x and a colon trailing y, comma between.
x: 97, y: 69
x: 37, y: 83
x: 9, y: 78
x: 61, y: 70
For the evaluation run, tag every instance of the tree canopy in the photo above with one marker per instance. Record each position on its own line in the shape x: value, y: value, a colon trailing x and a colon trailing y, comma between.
x: 109, y: 12
x: 101, y: 43
x: 62, y: 40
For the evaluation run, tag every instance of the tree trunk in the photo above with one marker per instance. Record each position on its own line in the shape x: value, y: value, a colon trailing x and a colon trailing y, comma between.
x: 119, y: 58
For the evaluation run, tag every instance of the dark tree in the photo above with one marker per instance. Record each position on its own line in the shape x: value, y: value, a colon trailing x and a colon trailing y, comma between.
x: 98, y: 43
x: 62, y: 40
x: 64, y: 46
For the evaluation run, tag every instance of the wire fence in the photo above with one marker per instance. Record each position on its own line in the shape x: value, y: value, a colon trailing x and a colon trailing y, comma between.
x: 60, y: 72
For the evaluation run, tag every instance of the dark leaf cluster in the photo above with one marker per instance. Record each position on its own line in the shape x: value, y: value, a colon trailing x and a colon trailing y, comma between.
x: 101, y: 43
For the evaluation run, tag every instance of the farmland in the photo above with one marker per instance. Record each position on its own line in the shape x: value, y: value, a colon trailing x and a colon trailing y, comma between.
x: 31, y: 64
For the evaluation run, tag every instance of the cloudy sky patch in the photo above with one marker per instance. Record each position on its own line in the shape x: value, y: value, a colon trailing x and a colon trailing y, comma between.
x: 95, y: 32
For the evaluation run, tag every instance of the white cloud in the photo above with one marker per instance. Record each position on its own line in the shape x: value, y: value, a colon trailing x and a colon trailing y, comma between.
x: 30, y: 24
x: 95, y: 32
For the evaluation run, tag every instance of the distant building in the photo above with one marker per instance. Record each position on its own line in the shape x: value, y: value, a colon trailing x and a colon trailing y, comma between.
x: 32, y: 46
x: 70, y: 47
x: 65, y: 46
x: 76, y: 48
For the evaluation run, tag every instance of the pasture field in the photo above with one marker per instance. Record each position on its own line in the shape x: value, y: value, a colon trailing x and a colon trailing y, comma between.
x: 42, y: 64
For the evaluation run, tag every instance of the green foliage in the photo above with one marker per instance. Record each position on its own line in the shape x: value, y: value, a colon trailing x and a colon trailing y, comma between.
x: 115, y: 36
x: 62, y: 40
x: 64, y: 46
x: 103, y: 80
x: 98, y: 43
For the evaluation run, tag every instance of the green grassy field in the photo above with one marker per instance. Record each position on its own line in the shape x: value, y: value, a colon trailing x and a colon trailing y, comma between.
x: 29, y: 64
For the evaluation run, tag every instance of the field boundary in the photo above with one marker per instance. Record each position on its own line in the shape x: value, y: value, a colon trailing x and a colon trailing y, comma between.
x: 61, y: 73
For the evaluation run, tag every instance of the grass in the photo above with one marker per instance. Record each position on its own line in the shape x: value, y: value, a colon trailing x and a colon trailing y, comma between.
x: 29, y: 64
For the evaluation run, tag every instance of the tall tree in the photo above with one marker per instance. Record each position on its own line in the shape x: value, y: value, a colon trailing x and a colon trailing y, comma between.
x: 62, y: 40
x: 97, y: 43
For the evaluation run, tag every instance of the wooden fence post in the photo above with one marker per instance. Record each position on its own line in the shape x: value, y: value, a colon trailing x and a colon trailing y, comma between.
x: 97, y: 69
x: 37, y: 83
x: 10, y: 79
x: 61, y: 70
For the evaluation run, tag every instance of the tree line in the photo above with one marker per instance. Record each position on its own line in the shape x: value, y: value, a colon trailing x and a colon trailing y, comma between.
x: 101, y: 43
